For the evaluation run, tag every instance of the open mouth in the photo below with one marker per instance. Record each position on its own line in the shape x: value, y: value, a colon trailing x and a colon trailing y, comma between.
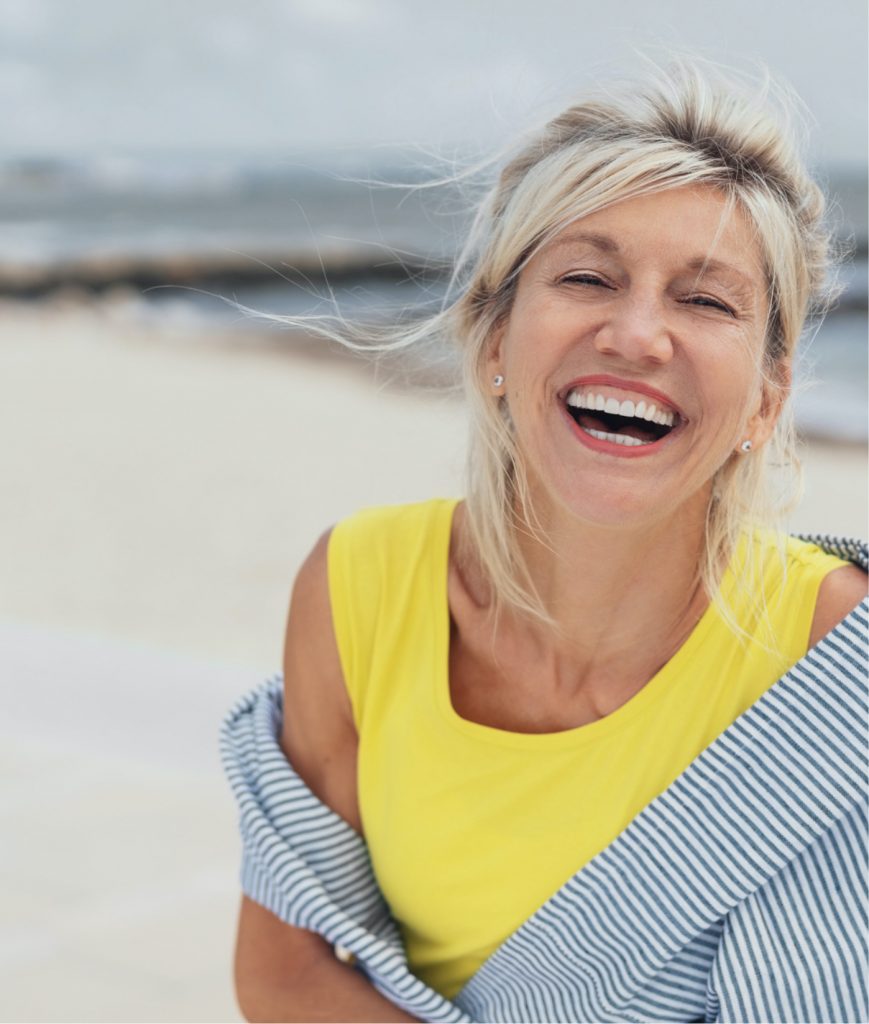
x: 628, y: 423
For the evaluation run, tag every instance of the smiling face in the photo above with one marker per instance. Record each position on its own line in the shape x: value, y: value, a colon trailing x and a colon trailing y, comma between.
x: 631, y: 357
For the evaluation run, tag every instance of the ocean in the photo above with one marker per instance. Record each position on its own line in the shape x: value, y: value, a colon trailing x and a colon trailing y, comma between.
x: 181, y: 239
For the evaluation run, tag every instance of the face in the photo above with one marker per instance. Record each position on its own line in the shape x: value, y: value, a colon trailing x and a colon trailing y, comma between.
x: 631, y: 357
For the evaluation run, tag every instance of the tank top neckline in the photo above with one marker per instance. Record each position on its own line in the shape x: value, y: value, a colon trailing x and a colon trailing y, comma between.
x: 662, y: 682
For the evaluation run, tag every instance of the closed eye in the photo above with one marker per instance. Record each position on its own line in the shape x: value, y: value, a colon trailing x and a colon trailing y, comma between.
x: 592, y: 279
x: 710, y: 303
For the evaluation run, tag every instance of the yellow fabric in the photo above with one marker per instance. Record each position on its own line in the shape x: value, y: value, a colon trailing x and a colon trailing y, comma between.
x: 471, y: 828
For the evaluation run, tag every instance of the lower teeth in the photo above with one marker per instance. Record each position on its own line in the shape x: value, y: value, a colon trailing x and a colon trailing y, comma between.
x: 625, y: 439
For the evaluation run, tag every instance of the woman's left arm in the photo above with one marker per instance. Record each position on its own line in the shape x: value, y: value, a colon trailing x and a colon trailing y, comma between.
x: 840, y: 593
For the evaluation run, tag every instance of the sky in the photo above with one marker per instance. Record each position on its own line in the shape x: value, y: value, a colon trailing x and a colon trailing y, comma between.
x: 277, y: 76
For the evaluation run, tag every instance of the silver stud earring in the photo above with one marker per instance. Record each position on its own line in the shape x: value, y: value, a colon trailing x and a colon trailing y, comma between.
x: 498, y: 380
x: 745, y: 446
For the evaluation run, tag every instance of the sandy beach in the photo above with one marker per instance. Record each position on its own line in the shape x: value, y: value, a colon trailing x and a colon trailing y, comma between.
x: 160, y: 489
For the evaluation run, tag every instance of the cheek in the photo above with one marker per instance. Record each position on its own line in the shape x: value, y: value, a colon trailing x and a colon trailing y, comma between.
x: 522, y: 366
x: 528, y: 398
x: 730, y: 382
x: 534, y: 347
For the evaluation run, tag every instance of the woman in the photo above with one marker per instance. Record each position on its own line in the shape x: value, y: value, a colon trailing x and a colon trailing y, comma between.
x: 529, y: 704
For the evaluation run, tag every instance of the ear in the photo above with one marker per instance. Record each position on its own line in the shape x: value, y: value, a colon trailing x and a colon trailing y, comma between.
x: 774, y: 392
x: 494, y: 344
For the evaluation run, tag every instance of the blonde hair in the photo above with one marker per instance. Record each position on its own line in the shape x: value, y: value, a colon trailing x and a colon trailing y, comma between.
x: 690, y: 124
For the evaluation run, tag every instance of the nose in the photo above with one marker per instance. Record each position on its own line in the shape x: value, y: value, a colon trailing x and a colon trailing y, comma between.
x: 636, y: 330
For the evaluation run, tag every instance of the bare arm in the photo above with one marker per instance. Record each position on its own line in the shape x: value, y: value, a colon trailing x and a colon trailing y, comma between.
x: 284, y: 973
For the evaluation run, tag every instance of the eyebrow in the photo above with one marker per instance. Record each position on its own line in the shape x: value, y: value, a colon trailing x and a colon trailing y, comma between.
x: 700, y: 264
x: 706, y: 264
x: 603, y: 242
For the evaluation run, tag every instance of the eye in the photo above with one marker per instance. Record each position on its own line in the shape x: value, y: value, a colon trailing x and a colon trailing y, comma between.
x: 585, y: 278
x: 710, y: 303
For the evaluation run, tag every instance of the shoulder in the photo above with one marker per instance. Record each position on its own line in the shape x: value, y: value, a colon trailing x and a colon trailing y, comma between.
x: 840, y: 592
x: 818, y: 580
x: 373, y: 555
x: 318, y: 734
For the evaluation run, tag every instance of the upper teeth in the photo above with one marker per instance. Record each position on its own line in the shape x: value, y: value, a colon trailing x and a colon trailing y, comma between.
x: 639, y: 410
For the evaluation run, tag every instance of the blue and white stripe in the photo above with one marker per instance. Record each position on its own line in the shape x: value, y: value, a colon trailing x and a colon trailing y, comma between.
x: 738, y: 894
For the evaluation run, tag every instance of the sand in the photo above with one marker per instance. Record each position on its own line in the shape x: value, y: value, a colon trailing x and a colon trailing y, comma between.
x: 164, y: 487
x: 159, y: 490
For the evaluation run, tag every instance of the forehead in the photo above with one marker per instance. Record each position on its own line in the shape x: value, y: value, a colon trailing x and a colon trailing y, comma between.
x: 694, y: 228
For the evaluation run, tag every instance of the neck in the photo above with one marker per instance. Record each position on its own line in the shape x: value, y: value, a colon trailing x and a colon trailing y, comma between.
x: 616, y: 594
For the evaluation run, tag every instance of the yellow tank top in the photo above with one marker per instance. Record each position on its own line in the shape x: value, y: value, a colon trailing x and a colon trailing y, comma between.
x: 471, y: 828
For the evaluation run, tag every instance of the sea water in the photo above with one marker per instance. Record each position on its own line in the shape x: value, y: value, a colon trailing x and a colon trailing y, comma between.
x: 205, y: 237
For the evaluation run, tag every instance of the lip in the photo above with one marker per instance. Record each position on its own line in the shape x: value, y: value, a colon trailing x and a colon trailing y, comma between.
x: 625, y: 385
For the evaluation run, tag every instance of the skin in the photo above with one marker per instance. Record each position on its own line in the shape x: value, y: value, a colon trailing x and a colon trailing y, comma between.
x: 620, y: 575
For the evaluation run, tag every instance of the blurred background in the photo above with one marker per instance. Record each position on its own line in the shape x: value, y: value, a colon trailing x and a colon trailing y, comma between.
x: 170, y: 459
